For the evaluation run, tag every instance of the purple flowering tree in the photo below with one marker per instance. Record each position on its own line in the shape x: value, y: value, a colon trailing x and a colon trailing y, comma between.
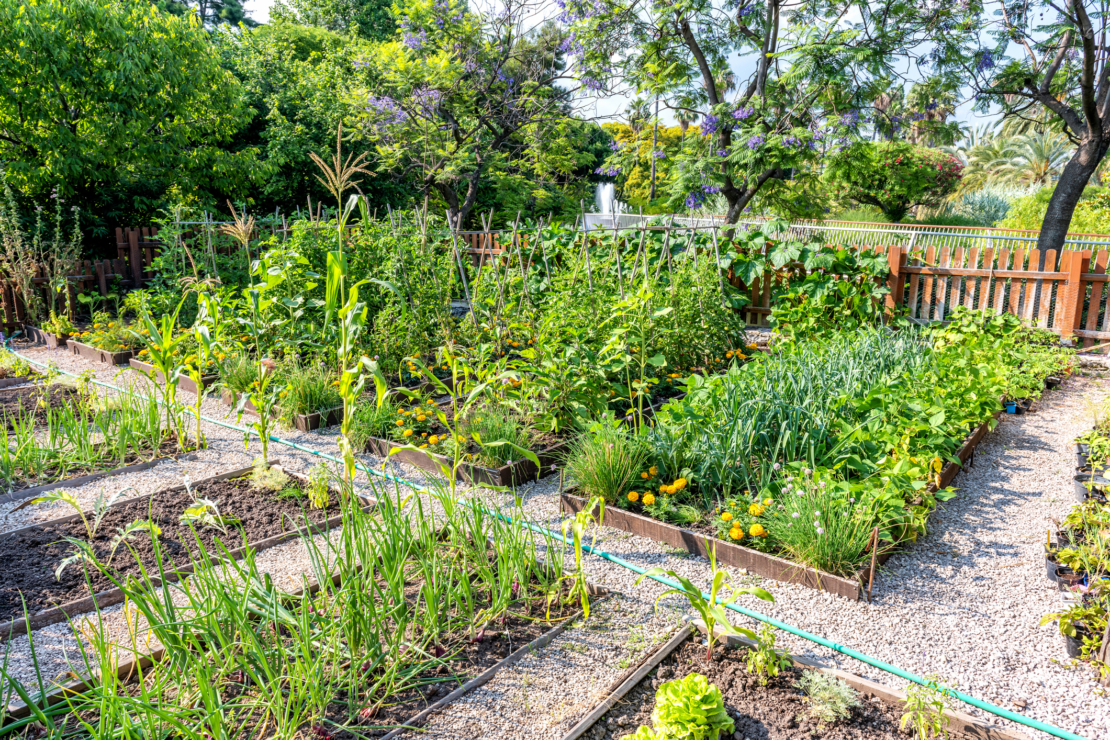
x: 760, y: 135
x: 459, y: 99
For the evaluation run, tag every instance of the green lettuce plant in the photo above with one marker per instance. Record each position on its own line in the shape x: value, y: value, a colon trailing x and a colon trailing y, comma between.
x: 690, y: 708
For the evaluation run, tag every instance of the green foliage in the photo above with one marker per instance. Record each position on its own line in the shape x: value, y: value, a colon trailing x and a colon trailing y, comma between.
x: 763, y: 660
x: 368, y: 19
x: 606, y: 460
x: 499, y: 433
x: 690, y: 709
x: 837, y: 289
x: 1092, y: 213
x: 925, y: 709
x: 145, y: 86
x: 830, y: 698
x: 711, y: 609
x: 892, y: 176
x: 309, y: 388
x: 318, y: 491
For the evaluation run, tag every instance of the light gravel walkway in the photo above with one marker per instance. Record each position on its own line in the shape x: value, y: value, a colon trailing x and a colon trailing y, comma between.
x: 964, y: 603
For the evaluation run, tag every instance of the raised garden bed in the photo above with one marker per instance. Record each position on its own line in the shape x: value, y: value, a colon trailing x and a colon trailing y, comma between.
x: 754, y: 561
x: 50, y: 339
x: 103, y: 357
x: 303, y: 422
x: 83, y: 476
x: 777, y: 711
x: 184, y: 382
x: 265, y: 520
x: 512, y: 474
x: 16, y: 403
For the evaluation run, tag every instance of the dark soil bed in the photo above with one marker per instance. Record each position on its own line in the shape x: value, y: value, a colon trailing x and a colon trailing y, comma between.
x: 29, y: 558
x: 777, y: 711
x: 17, y: 403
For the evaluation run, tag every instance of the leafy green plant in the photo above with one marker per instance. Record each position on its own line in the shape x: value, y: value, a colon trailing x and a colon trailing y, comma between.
x: 690, y: 709
x: 711, y: 609
x: 892, y: 176
x: 498, y: 433
x: 319, y: 494
x: 830, y: 698
x: 607, y: 459
x: 307, y: 388
x: 205, y: 512
x: 100, y: 506
x: 925, y: 709
x: 763, y: 660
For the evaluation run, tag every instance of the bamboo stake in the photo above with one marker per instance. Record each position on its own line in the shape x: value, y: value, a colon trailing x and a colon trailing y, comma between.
x: 666, y: 248
x: 720, y: 275
x: 617, y: 256
x: 487, y: 246
x: 462, y: 270
x: 874, y: 556
x: 586, y: 244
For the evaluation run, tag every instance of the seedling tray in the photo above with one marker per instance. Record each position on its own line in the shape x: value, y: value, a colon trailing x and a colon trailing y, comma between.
x: 517, y: 473
x: 100, y: 356
x: 50, y: 339
x: 64, y: 612
x: 184, y: 382
x: 959, y: 724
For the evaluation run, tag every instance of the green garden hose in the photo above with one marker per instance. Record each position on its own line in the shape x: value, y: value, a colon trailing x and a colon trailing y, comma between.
x: 874, y: 662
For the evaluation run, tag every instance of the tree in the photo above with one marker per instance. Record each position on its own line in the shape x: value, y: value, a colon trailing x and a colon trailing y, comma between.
x: 211, y: 12
x: 295, y: 80
x: 813, y: 75
x: 111, y: 102
x: 456, y: 96
x: 1060, y: 66
x: 893, y: 176
x: 369, y: 19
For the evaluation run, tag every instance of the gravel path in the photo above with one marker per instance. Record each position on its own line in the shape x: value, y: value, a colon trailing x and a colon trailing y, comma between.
x: 963, y: 603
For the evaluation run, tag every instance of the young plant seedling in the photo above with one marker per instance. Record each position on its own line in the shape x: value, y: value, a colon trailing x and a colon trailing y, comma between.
x: 205, y: 513
x: 100, y: 506
x: 763, y: 660
x: 925, y: 709
x: 712, y: 610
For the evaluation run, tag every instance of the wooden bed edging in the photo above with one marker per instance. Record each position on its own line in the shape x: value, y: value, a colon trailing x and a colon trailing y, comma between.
x: 103, y: 357
x: 615, y: 693
x: 518, y: 472
x: 8, y: 498
x: 184, y: 382
x: 542, y: 641
x: 63, y: 612
x: 51, y: 340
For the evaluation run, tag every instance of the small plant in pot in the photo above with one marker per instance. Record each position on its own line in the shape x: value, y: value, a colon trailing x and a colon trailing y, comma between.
x: 1083, y: 624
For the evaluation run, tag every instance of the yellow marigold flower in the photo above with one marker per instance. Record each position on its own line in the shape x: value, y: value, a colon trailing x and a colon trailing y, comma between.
x: 757, y: 530
x: 406, y: 433
x: 421, y: 418
x: 649, y: 499
x: 645, y: 476
x: 679, y: 484
x: 653, y: 470
x: 423, y: 447
x: 663, y: 488
x: 633, y: 496
x: 434, y: 439
x: 423, y: 434
x: 736, y: 533
x: 755, y: 510
x: 728, y: 354
x: 727, y: 516
x: 401, y: 411
x: 400, y: 422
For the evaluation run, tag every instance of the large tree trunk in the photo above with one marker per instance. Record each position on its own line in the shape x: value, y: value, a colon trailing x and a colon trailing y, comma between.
x: 1077, y: 173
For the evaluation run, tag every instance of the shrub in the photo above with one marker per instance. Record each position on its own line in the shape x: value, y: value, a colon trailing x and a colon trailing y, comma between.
x: 1092, y: 213
x: 893, y: 176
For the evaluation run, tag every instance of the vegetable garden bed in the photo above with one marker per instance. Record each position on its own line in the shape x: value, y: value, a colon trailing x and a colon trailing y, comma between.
x: 775, y: 711
x: 263, y: 520
x: 34, y: 400
x: 103, y: 357
x: 760, y: 563
x: 20, y: 494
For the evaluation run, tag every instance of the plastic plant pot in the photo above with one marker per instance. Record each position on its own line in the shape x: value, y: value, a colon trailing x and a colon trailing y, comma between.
x: 1011, y: 406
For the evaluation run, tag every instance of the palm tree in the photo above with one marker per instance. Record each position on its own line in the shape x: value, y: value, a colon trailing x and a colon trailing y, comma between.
x: 1034, y: 159
x: 639, y: 113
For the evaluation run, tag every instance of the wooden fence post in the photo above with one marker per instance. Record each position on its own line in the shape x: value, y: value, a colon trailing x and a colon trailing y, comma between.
x: 136, y: 259
x: 897, y: 280
x: 1074, y: 262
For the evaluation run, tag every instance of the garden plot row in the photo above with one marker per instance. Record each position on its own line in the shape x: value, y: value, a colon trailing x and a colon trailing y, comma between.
x: 435, y: 614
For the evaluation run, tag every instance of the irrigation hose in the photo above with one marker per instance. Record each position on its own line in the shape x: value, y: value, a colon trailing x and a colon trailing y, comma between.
x: 862, y: 657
